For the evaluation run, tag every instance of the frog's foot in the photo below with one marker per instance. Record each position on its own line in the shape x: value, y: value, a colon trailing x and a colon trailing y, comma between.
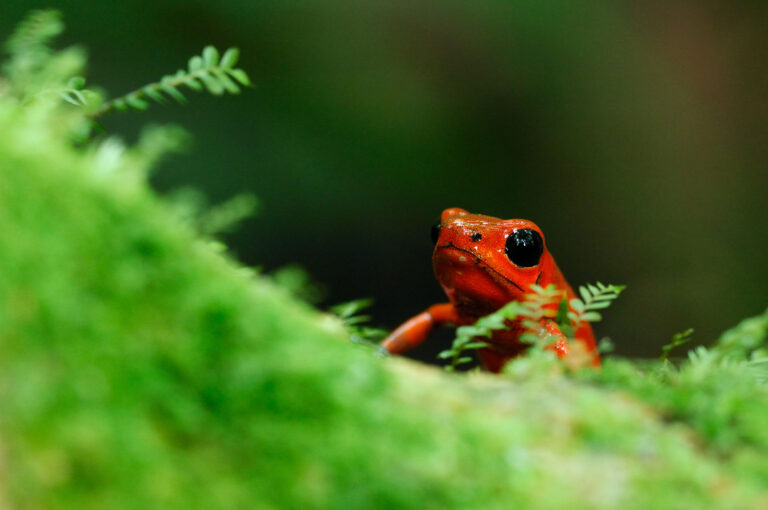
x: 414, y: 331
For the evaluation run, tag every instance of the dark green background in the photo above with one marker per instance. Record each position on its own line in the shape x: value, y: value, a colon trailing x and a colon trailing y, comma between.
x: 632, y: 132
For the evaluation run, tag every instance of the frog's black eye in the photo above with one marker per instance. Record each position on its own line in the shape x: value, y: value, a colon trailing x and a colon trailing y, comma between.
x: 435, y: 232
x: 524, y: 247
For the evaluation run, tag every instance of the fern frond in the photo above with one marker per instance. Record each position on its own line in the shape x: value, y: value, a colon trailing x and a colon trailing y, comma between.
x: 594, y: 297
x: 467, y: 336
x: 677, y: 339
x: 34, y: 70
x: 746, y: 340
x: 209, y: 71
x: 34, y: 32
x: 354, y: 321
x: 225, y: 217
x: 349, y: 311
x: 74, y: 92
x: 298, y: 282
x: 192, y: 208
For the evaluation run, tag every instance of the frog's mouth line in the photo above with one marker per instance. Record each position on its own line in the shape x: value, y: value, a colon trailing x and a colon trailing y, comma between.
x: 484, y: 265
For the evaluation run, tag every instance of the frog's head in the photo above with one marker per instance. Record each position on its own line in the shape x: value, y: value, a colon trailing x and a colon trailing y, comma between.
x: 483, y: 262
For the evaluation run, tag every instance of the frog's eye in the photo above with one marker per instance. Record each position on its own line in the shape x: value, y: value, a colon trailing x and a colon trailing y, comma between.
x: 524, y: 247
x: 435, y: 232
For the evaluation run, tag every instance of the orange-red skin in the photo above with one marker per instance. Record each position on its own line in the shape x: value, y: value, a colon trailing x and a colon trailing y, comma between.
x: 478, y: 279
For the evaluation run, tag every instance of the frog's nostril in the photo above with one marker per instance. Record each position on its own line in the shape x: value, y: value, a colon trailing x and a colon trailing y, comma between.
x: 477, y: 236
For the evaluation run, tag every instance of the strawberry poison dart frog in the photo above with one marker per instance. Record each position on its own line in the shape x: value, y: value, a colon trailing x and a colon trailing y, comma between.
x: 482, y: 263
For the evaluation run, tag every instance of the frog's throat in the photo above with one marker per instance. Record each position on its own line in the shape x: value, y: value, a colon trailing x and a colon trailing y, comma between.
x: 486, y: 267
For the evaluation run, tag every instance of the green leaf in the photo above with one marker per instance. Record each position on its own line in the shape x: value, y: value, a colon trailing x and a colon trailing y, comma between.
x: 73, y: 96
x: 227, y: 82
x: 211, y: 56
x: 605, y: 345
x: 194, y: 85
x: 240, y: 76
x: 212, y: 84
x: 591, y: 317
x: 677, y: 340
x: 605, y: 297
x: 357, y: 319
x: 76, y: 82
x: 152, y: 93
x: 529, y: 338
x: 195, y: 64
x: 349, y: 308
x: 562, y: 313
x: 174, y: 93
x: 70, y: 98
x: 35, y: 31
x: 230, y: 58
x: 563, y: 318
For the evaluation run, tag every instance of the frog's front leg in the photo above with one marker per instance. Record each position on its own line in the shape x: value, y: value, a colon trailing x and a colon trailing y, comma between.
x: 582, y: 350
x: 414, y: 331
x: 558, y: 342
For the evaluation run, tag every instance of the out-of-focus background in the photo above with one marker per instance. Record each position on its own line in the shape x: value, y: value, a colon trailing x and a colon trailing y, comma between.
x: 633, y: 133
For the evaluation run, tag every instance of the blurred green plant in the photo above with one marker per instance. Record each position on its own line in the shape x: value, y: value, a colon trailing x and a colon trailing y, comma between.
x: 34, y: 71
x: 678, y: 339
x: 296, y: 280
x: 350, y: 314
x: 191, y: 207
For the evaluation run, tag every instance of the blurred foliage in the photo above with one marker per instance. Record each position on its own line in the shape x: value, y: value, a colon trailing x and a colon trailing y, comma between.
x: 678, y: 339
x: 296, y: 281
x: 191, y: 206
x: 355, y: 321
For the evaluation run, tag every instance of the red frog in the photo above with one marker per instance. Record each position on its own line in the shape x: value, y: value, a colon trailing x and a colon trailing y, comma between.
x: 482, y: 263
